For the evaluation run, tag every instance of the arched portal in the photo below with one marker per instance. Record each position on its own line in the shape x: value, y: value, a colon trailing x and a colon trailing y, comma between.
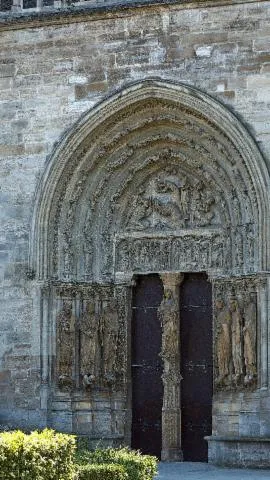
x: 158, y: 178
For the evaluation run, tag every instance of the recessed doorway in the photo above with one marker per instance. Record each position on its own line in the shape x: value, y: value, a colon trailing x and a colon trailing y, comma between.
x: 196, y: 365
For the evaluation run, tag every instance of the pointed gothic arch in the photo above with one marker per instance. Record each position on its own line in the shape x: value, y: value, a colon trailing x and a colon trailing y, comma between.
x: 157, y: 178
x: 113, y: 150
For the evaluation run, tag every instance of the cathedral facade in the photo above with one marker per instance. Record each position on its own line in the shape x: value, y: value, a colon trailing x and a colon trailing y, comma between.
x: 135, y: 197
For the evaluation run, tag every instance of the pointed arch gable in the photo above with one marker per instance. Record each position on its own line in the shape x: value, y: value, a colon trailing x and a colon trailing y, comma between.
x: 121, y: 148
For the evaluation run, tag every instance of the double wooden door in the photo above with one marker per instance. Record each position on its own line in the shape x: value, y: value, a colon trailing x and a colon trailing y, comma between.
x: 196, y: 365
x: 147, y: 387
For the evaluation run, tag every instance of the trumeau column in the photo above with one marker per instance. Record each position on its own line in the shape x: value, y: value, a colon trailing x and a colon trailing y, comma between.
x: 171, y: 411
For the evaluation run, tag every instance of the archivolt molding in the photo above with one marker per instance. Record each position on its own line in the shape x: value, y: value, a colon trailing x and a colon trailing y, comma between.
x: 157, y: 177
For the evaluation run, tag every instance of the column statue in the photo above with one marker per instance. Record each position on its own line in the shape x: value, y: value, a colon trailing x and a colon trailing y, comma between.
x: 249, y: 331
x: 109, y: 328
x: 65, y: 344
x: 237, y: 347
x: 89, y: 354
x: 224, y: 343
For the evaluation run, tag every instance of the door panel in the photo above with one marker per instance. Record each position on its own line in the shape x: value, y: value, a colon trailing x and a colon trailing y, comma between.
x: 196, y: 365
x: 147, y: 387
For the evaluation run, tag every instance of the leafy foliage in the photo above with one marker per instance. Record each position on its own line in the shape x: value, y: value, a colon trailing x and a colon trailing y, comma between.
x: 49, y: 455
x: 137, y: 466
x: 101, y: 472
x: 43, y: 455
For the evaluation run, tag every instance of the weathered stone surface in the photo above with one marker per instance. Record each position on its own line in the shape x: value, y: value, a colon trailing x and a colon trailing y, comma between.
x: 168, y: 182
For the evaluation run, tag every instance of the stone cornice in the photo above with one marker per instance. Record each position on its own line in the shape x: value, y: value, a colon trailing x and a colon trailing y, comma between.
x: 74, y: 14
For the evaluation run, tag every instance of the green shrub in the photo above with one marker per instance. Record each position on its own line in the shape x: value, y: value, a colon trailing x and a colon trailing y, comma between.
x: 11, y: 455
x: 101, y: 472
x: 38, y: 456
x: 137, y: 466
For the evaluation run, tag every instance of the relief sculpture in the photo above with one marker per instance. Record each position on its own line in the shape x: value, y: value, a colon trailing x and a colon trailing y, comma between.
x: 65, y: 325
x: 91, y: 336
x: 202, y: 202
x: 169, y: 316
x: 99, y: 328
x: 235, y: 345
x: 189, y: 252
x: 168, y: 312
x: 171, y: 201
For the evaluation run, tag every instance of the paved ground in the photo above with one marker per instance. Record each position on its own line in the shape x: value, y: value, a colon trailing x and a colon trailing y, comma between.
x: 203, y: 471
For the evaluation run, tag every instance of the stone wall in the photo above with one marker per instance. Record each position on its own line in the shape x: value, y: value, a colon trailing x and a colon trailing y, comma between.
x: 51, y: 72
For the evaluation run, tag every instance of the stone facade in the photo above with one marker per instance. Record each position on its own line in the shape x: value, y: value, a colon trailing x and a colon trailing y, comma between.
x: 133, y: 140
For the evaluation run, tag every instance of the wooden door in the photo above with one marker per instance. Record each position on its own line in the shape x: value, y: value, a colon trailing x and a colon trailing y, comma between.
x: 147, y: 387
x: 196, y: 365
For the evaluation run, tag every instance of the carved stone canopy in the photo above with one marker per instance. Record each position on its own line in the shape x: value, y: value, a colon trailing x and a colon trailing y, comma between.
x: 159, y: 165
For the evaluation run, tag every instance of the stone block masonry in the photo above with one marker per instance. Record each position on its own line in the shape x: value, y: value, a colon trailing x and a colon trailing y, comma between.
x: 54, y: 69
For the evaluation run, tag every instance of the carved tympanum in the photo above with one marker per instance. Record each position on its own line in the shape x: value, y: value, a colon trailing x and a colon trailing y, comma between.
x: 171, y: 202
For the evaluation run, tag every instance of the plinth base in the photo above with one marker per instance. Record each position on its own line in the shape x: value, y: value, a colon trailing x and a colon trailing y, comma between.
x: 172, y: 455
x: 245, y: 452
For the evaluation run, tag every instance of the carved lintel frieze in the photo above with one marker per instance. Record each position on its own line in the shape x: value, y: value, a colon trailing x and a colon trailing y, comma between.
x: 186, y: 251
